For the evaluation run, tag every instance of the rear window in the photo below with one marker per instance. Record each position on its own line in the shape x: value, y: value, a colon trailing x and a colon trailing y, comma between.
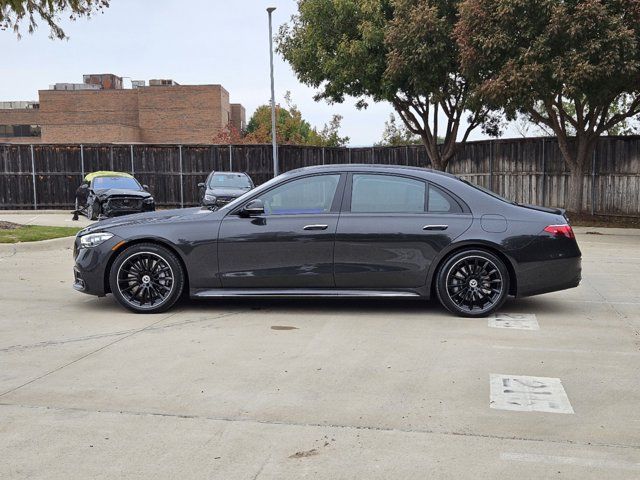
x: 487, y: 191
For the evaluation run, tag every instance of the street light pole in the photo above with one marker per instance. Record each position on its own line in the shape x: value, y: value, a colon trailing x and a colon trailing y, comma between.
x: 273, y: 99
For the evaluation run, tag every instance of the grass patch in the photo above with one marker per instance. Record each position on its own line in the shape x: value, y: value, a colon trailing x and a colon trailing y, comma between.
x: 34, y: 233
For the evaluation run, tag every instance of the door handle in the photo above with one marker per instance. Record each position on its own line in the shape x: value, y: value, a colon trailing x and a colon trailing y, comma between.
x: 435, y: 227
x: 316, y: 227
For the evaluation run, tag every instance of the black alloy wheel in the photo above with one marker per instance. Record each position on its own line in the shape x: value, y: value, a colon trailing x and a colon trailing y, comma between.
x: 473, y: 283
x: 146, y: 278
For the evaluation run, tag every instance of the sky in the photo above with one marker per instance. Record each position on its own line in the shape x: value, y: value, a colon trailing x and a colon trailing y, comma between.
x: 194, y: 42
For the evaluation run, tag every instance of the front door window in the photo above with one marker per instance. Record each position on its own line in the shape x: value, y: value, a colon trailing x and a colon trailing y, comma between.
x: 305, y: 196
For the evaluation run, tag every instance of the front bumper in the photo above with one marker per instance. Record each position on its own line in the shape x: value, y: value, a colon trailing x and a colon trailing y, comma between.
x: 219, y: 202
x: 90, y: 269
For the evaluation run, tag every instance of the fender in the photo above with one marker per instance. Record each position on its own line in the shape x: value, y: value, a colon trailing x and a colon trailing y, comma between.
x: 511, y: 263
x: 142, y: 239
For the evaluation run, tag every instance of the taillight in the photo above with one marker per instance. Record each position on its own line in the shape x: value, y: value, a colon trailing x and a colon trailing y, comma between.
x: 560, y: 231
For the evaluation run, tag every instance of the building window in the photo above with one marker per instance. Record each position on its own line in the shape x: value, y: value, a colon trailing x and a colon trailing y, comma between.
x: 20, y: 131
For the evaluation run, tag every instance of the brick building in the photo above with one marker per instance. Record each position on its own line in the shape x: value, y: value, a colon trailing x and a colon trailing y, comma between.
x: 100, y: 110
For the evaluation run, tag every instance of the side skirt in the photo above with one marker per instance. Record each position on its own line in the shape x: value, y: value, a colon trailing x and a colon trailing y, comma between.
x: 288, y: 293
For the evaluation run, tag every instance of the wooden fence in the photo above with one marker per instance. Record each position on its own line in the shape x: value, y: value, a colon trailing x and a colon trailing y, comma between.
x: 524, y: 170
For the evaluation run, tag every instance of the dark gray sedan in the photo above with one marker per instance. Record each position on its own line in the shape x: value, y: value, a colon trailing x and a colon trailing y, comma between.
x: 224, y: 187
x: 337, y: 231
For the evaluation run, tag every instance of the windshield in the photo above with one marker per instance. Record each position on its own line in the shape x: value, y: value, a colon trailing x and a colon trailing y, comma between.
x: 487, y: 191
x: 229, y: 180
x: 244, y: 196
x: 124, y: 183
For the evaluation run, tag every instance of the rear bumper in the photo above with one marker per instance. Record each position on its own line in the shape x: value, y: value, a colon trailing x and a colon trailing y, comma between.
x: 547, y: 276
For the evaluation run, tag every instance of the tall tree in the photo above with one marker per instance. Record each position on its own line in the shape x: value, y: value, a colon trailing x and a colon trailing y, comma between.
x: 395, y: 134
x: 14, y: 12
x: 291, y: 128
x: 400, y: 51
x: 571, y: 66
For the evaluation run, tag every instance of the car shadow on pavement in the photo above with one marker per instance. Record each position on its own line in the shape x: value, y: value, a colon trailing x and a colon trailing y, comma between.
x: 393, y: 306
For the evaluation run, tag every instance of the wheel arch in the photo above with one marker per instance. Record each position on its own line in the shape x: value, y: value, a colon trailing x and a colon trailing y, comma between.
x: 153, y: 240
x: 473, y: 245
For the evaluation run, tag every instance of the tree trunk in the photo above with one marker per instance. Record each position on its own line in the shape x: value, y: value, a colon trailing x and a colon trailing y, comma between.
x: 577, y: 155
x: 576, y: 190
x: 433, y: 152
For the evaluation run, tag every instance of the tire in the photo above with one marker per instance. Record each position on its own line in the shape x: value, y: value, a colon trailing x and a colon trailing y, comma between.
x: 93, y: 211
x: 146, y: 278
x: 472, y: 283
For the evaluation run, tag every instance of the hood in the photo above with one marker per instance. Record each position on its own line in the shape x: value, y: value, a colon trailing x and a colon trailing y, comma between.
x: 227, y: 192
x: 113, y: 192
x: 159, y: 216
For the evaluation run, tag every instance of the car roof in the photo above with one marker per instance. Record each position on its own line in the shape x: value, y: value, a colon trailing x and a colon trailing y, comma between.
x: 363, y: 167
x: 105, y: 173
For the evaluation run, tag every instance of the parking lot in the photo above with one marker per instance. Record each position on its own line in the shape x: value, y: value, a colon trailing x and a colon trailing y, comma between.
x: 374, y: 389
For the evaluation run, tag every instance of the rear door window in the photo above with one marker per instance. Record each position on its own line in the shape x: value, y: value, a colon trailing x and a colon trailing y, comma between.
x: 440, y: 201
x: 387, y: 194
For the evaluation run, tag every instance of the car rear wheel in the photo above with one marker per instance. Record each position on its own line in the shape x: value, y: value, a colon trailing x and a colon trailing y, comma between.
x: 146, y: 278
x: 472, y: 283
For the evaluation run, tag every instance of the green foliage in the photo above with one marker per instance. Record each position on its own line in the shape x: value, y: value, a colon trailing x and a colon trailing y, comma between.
x: 14, y: 12
x: 400, y: 51
x: 330, y: 133
x: 291, y: 128
x: 395, y: 135
x: 573, y: 65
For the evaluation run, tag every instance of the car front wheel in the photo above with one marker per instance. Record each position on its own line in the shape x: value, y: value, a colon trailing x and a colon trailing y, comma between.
x: 146, y: 278
x: 93, y: 211
x: 472, y: 283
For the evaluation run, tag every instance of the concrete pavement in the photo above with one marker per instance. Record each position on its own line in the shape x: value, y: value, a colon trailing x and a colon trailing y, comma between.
x: 357, y: 389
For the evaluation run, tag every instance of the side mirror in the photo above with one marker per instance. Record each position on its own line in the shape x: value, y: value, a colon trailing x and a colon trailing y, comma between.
x: 253, y: 208
x: 146, y: 187
x: 201, y: 185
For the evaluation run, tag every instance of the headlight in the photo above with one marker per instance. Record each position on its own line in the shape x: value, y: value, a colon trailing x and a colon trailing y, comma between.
x: 148, y: 200
x: 94, y: 239
x: 209, y: 197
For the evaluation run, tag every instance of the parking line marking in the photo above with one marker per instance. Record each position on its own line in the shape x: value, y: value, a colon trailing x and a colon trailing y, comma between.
x: 566, y: 350
x: 576, y: 461
x: 515, y: 321
x: 528, y: 394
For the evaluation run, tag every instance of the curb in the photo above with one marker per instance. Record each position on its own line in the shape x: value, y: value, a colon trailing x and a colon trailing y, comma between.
x: 10, y: 249
x: 628, y: 232
x: 35, y: 212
